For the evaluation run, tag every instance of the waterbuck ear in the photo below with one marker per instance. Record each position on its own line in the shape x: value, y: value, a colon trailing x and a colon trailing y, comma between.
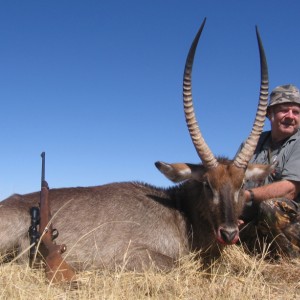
x: 179, y: 171
x: 257, y: 172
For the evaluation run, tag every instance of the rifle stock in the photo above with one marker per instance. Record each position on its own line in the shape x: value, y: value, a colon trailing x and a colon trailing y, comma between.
x: 57, y: 270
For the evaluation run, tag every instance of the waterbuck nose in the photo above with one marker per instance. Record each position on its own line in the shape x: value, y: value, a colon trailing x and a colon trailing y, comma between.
x: 229, y: 235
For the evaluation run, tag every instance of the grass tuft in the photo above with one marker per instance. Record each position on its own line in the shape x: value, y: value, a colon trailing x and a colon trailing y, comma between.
x: 236, y: 275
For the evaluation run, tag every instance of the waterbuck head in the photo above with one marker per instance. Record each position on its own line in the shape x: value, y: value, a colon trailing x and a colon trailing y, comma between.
x: 220, y: 182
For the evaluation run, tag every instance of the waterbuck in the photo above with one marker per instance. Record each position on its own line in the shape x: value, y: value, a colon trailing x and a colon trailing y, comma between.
x: 135, y: 224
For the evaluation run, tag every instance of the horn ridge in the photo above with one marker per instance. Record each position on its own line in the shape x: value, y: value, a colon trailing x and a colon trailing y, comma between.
x: 243, y: 157
x: 205, y: 154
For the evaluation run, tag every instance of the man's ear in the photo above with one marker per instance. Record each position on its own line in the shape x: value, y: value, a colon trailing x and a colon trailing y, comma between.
x: 179, y: 172
x: 269, y: 113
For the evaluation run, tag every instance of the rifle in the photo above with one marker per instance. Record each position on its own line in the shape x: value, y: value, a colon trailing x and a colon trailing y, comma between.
x: 56, y: 268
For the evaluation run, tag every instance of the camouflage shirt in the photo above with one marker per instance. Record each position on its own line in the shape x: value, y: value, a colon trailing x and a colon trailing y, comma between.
x: 287, y: 154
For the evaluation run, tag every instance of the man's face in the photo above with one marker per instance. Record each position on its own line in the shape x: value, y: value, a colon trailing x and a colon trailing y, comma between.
x: 285, y: 120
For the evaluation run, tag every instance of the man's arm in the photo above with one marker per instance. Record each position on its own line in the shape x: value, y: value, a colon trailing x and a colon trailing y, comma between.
x: 285, y: 188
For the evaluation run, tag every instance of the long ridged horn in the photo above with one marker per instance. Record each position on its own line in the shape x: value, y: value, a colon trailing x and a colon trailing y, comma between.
x: 245, y: 154
x: 205, y: 154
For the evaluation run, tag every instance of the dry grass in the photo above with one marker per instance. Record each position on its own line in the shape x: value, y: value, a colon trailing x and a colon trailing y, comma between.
x: 235, y: 276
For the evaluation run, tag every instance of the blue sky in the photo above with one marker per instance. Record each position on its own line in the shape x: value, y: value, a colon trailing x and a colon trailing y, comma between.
x: 98, y: 84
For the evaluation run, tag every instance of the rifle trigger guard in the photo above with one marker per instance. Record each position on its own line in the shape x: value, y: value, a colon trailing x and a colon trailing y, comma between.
x: 54, y: 234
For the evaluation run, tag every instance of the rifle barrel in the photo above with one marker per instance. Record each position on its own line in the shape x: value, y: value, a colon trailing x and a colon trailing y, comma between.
x: 43, y: 181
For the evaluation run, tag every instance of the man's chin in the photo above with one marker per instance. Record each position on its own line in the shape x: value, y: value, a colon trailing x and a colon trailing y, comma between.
x: 288, y: 130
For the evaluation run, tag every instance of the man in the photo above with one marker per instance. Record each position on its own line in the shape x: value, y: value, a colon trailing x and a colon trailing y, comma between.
x: 271, y: 212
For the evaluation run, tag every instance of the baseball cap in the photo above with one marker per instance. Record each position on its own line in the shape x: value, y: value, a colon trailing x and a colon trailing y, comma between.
x: 285, y: 94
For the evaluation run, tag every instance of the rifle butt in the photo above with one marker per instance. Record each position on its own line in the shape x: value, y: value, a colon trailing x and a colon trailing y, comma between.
x: 57, y: 270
